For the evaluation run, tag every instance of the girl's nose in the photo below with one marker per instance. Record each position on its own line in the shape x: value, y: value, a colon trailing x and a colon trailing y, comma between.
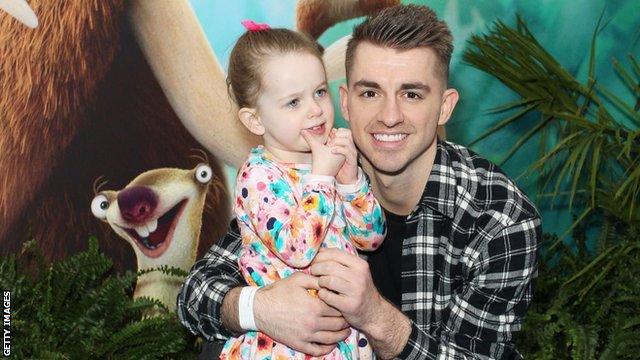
x: 315, y: 109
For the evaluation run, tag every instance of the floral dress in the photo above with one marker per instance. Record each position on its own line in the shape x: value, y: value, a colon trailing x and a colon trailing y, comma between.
x: 286, y: 214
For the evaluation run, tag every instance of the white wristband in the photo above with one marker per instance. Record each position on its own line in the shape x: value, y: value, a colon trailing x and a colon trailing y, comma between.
x: 245, y: 308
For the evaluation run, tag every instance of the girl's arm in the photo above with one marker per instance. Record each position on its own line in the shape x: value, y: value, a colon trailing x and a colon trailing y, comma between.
x: 292, y: 230
x: 363, y: 214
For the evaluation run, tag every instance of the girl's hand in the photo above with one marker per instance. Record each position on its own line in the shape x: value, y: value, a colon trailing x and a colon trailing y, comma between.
x: 324, y: 161
x: 341, y: 142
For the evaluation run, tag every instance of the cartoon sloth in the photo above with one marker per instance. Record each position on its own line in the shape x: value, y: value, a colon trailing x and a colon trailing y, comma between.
x: 115, y: 88
x: 159, y: 213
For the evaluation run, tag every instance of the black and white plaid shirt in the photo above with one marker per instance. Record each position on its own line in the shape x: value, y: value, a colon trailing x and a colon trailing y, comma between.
x: 469, y: 257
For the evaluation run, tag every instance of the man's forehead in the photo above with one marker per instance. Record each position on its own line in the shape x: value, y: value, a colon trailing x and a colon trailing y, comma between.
x: 373, y: 62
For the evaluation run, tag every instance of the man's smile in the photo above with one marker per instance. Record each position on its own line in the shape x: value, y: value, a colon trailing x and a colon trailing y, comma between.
x: 390, y: 137
x: 389, y: 141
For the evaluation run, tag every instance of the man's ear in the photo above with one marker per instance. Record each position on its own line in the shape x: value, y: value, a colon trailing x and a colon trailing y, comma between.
x: 344, y: 95
x: 249, y: 117
x: 449, y: 101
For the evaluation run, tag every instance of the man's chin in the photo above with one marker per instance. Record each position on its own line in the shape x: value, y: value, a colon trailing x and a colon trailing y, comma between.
x: 385, y: 164
x: 389, y: 169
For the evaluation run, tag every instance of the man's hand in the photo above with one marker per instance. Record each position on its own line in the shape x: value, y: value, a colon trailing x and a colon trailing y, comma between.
x: 324, y: 161
x: 341, y: 142
x: 287, y: 313
x: 346, y: 285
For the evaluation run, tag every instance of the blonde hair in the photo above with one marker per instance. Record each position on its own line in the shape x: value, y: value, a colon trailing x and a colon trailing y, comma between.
x: 247, y: 58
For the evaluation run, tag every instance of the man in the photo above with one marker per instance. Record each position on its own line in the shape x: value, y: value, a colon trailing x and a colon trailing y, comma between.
x: 453, y: 276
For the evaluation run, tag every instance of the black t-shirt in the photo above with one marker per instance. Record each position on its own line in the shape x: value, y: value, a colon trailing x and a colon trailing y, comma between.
x: 386, y: 262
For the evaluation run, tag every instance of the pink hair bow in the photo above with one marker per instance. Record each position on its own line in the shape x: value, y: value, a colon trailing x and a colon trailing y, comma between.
x: 253, y: 26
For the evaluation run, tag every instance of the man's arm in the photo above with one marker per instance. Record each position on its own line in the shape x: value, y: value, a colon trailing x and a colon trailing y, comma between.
x: 210, y: 279
x: 208, y: 303
x: 346, y: 285
x: 482, y: 316
x: 287, y: 313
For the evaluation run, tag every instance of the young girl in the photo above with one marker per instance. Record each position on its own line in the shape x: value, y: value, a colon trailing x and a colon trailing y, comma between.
x: 303, y: 189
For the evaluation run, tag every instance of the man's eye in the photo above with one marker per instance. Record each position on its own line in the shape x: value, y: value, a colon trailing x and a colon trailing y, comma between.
x: 321, y: 93
x: 293, y: 103
x: 369, y: 94
x: 413, y: 95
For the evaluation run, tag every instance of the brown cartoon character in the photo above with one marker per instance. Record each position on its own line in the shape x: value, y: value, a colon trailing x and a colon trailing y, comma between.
x: 159, y: 214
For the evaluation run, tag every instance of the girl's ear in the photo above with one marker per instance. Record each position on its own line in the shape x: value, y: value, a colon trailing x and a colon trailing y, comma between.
x: 249, y: 117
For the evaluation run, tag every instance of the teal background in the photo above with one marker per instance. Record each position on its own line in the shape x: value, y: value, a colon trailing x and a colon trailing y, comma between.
x: 564, y: 28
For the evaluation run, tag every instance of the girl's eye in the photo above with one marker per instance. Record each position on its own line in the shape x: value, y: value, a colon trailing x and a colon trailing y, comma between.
x: 321, y: 93
x: 293, y: 103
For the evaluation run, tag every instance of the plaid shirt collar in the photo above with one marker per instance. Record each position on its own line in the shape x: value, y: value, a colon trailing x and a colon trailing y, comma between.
x: 440, y: 192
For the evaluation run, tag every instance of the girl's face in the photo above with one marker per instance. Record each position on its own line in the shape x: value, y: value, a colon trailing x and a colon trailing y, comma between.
x: 294, y: 97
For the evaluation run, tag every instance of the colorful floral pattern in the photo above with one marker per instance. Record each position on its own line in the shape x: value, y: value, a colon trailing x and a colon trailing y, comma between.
x: 286, y: 215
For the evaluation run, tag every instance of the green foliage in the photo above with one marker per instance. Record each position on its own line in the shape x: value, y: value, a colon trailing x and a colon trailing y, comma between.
x: 77, y: 309
x: 592, y: 152
x: 587, y: 297
x: 587, y: 306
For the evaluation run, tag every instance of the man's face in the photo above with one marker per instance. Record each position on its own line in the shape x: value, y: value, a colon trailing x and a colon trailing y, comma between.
x: 394, y: 102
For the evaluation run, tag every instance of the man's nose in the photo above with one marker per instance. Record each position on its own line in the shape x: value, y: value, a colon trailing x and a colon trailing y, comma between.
x: 391, y: 113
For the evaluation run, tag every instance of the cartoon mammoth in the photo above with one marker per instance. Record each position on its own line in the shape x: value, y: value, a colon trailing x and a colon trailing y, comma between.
x: 115, y: 88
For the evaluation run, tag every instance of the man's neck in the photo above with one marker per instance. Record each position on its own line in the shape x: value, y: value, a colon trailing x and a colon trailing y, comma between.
x: 399, y: 193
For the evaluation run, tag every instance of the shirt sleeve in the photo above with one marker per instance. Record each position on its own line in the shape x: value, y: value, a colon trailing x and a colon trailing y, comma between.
x: 483, y: 317
x: 209, y: 281
x: 291, y: 229
x: 363, y: 214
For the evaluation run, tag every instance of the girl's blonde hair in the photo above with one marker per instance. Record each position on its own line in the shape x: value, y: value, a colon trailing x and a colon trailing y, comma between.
x: 248, y: 56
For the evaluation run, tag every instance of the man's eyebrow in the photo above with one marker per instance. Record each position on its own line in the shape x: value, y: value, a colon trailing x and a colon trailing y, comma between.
x: 406, y: 86
x: 366, y: 83
x: 415, y: 86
